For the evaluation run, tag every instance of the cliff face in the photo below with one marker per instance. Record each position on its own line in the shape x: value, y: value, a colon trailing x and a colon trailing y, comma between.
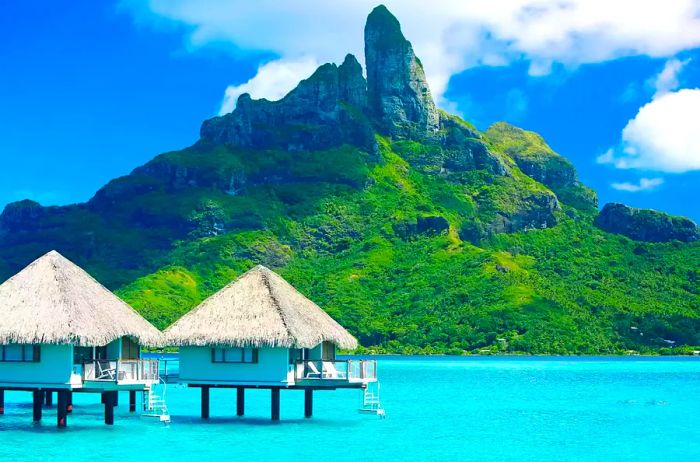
x: 336, y: 106
x: 646, y: 225
x: 537, y: 160
x: 398, y: 93
x: 20, y: 216
x: 324, y: 111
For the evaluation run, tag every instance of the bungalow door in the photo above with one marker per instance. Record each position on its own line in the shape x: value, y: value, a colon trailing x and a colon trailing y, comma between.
x: 328, y: 351
x: 101, y: 352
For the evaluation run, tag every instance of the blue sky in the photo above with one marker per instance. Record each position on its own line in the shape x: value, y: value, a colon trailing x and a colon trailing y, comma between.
x: 91, y: 90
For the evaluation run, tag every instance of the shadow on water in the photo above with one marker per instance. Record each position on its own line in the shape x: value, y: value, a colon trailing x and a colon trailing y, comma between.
x: 257, y: 421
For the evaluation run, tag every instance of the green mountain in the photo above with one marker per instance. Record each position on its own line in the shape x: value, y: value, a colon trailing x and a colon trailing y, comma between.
x: 412, y: 228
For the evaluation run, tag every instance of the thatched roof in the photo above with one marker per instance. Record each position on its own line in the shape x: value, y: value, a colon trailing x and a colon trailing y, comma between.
x: 258, y: 309
x: 54, y: 301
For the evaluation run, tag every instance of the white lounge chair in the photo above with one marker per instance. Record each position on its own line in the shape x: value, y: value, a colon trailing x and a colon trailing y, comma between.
x: 312, y: 371
x: 330, y: 372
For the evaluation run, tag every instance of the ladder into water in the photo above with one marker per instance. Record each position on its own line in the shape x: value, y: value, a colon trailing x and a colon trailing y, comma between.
x: 370, y: 400
x: 154, y: 404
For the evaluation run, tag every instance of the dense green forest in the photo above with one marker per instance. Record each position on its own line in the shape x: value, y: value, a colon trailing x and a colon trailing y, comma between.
x: 571, y: 288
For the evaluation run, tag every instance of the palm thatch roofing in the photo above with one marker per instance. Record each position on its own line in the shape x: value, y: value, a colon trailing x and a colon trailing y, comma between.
x: 259, y: 309
x: 54, y: 301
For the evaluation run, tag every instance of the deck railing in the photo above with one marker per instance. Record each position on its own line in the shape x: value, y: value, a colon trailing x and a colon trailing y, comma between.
x: 169, y: 370
x: 363, y: 369
x: 120, y: 370
x: 351, y: 370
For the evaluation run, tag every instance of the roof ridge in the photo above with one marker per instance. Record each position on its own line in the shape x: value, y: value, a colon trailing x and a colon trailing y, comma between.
x: 72, y: 266
x: 275, y: 303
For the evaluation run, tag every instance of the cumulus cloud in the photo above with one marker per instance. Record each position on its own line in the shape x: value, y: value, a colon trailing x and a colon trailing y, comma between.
x: 449, y: 35
x: 272, y: 81
x: 667, y: 79
x: 645, y: 184
x: 662, y: 137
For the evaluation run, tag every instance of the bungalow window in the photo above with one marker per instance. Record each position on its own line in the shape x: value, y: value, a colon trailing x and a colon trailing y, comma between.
x: 234, y: 355
x: 20, y: 353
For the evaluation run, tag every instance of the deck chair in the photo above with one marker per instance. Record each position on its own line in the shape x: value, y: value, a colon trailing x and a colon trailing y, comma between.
x: 105, y: 370
x: 312, y: 371
x: 330, y: 372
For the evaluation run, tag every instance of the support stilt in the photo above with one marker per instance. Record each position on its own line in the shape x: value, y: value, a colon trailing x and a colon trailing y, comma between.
x: 115, y: 402
x: 69, y: 404
x: 308, y: 403
x: 109, y: 407
x: 205, y: 402
x: 240, y: 401
x: 132, y: 400
x: 37, y: 401
x: 275, y: 408
x: 48, y: 398
x: 2, y: 401
x: 62, y: 409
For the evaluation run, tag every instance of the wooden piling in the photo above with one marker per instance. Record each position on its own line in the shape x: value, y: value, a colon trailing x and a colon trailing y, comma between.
x: 132, y: 400
x: 2, y: 401
x: 275, y: 405
x: 240, y: 401
x: 308, y: 403
x: 37, y: 402
x: 48, y: 398
x: 69, y: 404
x: 108, y: 397
x: 62, y: 409
x: 205, y: 402
x: 115, y: 399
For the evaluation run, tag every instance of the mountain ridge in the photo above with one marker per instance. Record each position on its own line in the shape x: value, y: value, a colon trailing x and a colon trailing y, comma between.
x: 419, y: 232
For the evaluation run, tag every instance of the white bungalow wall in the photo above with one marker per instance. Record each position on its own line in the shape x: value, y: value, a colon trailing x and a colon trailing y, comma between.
x: 53, y: 368
x: 196, y: 366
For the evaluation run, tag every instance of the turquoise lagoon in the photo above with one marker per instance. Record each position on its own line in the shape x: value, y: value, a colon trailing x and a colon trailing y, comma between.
x: 495, y: 408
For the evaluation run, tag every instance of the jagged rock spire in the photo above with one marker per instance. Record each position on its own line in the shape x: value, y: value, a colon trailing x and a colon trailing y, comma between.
x: 398, y: 93
x: 315, y: 115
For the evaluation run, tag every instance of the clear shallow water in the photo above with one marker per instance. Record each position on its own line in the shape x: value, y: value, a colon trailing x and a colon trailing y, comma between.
x: 437, y: 409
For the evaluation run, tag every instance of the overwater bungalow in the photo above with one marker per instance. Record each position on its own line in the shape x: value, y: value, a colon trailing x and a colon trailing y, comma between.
x: 260, y: 332
x: 61, y: 331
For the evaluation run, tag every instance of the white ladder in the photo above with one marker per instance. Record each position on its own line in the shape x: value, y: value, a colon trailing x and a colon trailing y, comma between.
x: 370, y: 400
x: 154, y: 404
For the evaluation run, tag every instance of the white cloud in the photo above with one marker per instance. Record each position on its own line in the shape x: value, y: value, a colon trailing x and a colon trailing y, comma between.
x: 272, y: 81
x: 645, y: 184
x: 667, y: 79
x: 662, y: 137
x: 449, y: 35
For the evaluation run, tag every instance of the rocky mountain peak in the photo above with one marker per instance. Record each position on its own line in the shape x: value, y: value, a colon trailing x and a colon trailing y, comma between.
x: 646, y: 225
x: 321, y: 112
x: 399, y: 97
x: 352, y: 84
